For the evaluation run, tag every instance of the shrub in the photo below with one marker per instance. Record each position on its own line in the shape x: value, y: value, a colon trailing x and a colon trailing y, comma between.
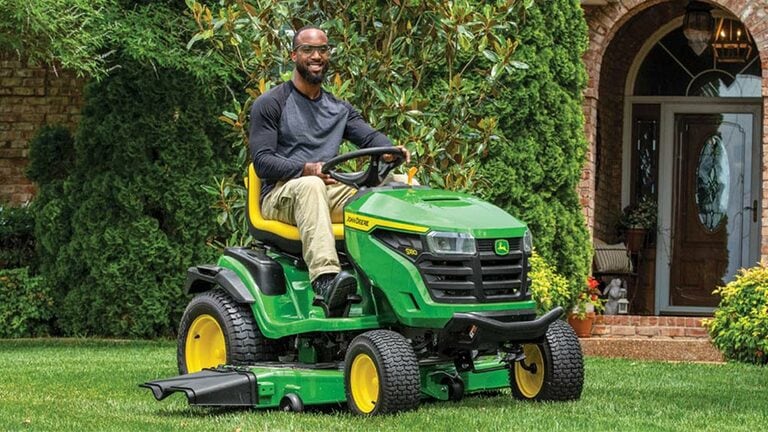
x: 119, y: 231
x: 535, y: 167
x: 51, y: 154
x: 17, y: 239
x: 26, y: 306
x: 548, y: 288
x: 739, y: 327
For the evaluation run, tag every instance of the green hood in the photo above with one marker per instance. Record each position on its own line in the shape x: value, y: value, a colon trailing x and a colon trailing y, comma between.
x: 435, y: 210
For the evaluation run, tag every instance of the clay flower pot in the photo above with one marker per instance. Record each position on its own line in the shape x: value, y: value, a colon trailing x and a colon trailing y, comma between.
x: 583, y: 326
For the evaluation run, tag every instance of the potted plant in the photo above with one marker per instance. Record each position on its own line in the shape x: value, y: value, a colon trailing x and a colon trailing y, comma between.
x: 588, y: 303
x: 637, y: 220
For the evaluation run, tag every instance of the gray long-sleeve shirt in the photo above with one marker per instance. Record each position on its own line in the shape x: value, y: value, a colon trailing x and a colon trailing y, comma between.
x: 287, y: 130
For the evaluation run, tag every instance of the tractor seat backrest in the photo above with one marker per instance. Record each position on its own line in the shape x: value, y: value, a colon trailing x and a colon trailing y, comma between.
x: 279, y: 234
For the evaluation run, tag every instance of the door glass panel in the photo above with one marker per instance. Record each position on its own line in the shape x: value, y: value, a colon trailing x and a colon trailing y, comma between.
x: 736, y: 133
x: 645, y: 159
x: 712, y: 185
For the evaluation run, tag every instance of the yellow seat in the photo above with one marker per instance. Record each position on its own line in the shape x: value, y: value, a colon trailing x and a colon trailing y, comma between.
x: 282, y: 235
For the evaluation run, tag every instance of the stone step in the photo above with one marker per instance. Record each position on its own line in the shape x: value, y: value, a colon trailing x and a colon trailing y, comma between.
x: 666, y: 338
x: 629, y: 326
x: 645, y: 348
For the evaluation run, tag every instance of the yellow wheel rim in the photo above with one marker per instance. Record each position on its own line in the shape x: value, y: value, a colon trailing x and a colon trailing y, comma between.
x: 205, y: 346
x: 364, y: 383
x: 530, y: 382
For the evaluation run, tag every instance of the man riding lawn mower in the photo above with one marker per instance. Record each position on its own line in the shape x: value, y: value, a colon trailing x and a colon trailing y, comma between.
x: 442, y: 308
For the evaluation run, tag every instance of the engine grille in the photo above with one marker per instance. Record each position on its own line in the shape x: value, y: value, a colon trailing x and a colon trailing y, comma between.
x: 483, y: 278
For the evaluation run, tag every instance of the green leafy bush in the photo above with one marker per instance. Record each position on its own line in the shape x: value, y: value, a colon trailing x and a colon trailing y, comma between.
x: 26, y: 304
x: 535, y: 167
x: 17, y: 238
x: 118, y: 232
x: 548, y: 288
x: 84, y: 36
x: 740, y: 326
x: 419, y: 71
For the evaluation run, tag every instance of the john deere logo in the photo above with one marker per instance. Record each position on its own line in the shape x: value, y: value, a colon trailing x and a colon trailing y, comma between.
x: 501, y: 247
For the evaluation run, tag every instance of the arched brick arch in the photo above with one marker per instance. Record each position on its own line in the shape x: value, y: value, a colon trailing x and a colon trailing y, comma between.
x: 604, y: 23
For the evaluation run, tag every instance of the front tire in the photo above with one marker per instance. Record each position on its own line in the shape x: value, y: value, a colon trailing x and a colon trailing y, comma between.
x: 553, y: 370
x: 215, y: 330
x: 381, y: 374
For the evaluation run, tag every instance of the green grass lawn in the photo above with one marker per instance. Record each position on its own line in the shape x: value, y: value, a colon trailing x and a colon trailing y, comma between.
x: 75, y: 385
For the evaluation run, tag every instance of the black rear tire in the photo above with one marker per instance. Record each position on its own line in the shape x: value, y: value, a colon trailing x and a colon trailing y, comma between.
x: 211, y: 317
x: 381, y: 374
x: 553, y: 369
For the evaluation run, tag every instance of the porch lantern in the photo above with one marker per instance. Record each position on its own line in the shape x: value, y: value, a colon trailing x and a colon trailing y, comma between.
x: 732, y: 43
x: 698, y: 26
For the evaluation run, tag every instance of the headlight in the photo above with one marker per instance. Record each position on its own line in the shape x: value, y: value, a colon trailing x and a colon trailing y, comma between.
x: 448, y: 243
x: 528, y: 242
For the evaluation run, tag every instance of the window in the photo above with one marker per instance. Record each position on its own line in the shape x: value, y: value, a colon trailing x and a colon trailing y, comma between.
x: 671, y: 68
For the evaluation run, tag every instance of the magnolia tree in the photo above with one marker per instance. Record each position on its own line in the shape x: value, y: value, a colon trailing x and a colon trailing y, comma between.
x: 418, y: 70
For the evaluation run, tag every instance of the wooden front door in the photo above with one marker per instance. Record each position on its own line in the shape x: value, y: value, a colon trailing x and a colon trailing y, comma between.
x: 709, y: 212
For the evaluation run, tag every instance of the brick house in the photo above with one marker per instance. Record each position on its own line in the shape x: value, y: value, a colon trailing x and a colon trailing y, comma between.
x: 678, y: 121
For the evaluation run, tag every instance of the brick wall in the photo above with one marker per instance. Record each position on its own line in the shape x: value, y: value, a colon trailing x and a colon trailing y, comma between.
x: 617, y: 60
x: 30, y: 97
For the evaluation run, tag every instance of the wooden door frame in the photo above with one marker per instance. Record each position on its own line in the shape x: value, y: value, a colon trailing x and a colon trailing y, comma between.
x: 666, y: 181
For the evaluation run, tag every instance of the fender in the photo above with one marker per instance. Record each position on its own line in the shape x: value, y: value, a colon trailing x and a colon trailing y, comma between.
x: 204, y: 277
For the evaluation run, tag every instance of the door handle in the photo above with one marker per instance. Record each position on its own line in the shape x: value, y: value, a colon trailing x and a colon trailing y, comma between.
x: 754, y: 210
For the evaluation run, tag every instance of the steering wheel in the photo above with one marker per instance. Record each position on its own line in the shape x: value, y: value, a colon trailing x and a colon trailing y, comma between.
x: 377, y: 168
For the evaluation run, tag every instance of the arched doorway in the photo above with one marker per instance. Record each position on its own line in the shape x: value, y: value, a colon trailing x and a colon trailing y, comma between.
x: 690, y: 129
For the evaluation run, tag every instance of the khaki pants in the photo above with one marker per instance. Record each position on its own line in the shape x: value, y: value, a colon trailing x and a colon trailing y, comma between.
x: 313, y: 206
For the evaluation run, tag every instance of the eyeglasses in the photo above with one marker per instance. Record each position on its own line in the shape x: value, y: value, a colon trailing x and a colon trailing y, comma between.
x: 309, y: 49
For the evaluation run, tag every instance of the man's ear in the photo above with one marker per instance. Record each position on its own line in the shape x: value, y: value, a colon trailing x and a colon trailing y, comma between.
x: 293, y: 56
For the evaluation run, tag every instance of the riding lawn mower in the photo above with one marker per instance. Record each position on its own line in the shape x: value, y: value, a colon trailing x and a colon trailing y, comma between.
x: 442, y: 308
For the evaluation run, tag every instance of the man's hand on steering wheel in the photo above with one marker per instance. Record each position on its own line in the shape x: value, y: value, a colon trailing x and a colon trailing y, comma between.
x: 390, y: 158
x: 315, y: 169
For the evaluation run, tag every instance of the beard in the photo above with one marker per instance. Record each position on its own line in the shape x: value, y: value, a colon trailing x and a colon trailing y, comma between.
x: 312, y: 78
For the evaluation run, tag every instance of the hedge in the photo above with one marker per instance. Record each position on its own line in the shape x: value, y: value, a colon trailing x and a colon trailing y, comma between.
x: 119, y: 228
x: 534, y: 170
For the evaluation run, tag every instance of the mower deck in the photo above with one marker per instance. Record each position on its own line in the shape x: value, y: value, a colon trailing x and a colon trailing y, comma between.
x: 290, y: 386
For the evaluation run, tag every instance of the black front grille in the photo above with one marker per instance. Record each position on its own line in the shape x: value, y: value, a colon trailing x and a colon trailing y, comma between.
x: 485, y: 277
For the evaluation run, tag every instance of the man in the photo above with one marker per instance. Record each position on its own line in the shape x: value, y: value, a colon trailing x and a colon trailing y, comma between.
x: 295, y: 127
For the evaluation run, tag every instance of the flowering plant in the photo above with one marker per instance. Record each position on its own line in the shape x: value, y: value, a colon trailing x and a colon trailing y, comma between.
x: 588, y: 300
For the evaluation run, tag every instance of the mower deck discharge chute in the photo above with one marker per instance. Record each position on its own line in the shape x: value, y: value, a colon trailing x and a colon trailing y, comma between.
x: 442, y: 309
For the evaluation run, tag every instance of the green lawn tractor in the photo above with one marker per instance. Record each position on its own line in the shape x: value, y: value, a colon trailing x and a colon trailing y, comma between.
x: 442, y: 309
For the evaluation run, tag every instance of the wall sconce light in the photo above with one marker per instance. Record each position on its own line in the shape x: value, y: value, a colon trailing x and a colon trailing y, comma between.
x: 698, y: 26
